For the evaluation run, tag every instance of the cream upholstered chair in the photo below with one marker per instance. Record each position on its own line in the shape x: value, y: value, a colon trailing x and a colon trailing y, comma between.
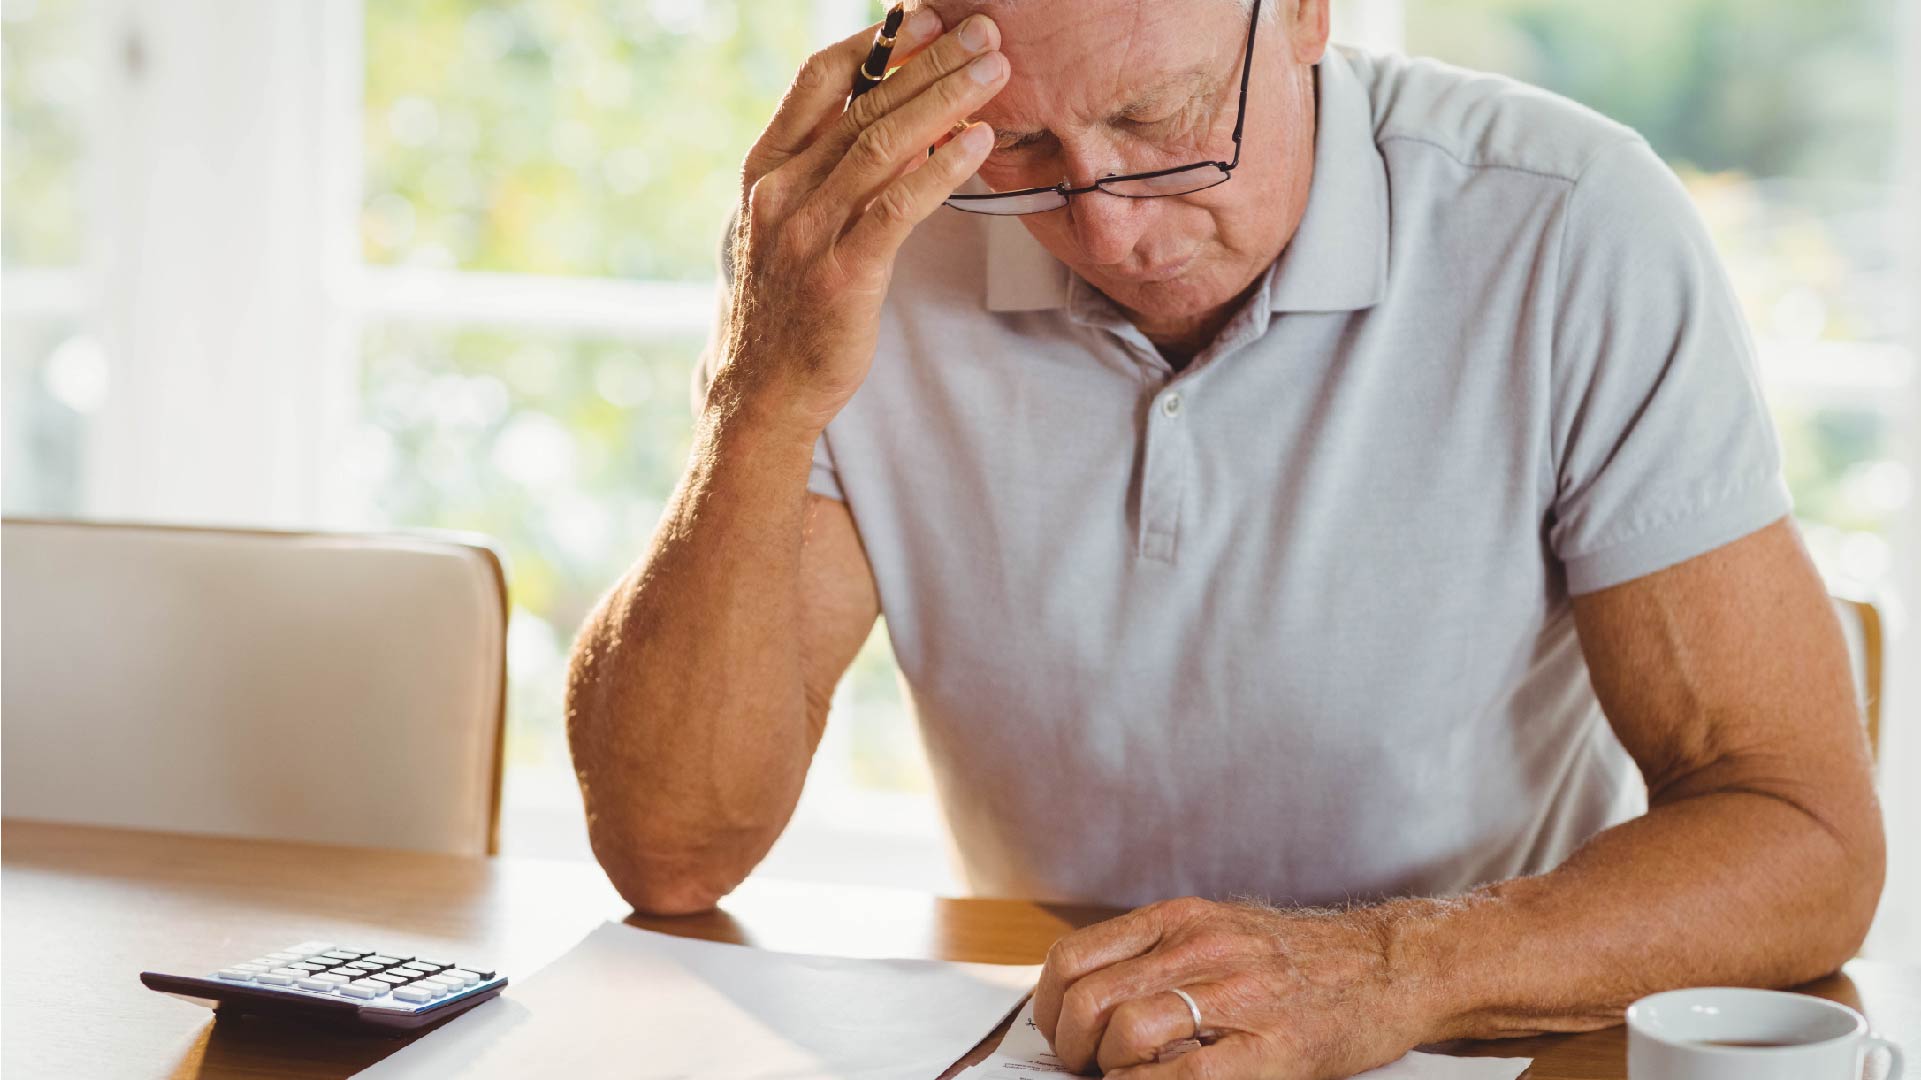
x: 325, y: 687
x: 1861, y: 625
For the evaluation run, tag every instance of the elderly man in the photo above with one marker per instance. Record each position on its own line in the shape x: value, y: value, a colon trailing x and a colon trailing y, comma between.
x: 1336, y: 514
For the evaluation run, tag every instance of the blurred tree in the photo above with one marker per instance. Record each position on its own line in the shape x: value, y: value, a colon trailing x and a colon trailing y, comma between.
x: 1765, y: 87
x: 46, y: 83
x: 598, y: 137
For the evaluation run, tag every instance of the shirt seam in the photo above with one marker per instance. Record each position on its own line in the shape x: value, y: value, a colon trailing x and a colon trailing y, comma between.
x: 1578, y: 175
x: 1556, y: 457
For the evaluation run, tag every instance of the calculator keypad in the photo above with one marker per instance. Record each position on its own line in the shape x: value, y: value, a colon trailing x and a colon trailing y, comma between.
x: 323, y: 968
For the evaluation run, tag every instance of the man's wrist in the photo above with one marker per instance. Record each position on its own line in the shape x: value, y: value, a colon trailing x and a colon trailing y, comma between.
x: 744, y: 403
x: 1424, y: 943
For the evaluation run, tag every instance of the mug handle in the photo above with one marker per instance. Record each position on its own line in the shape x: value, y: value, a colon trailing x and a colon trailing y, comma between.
x: 1869, y: 1045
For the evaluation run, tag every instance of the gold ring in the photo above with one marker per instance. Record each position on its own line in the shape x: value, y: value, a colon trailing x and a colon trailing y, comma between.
x: 871, y: 77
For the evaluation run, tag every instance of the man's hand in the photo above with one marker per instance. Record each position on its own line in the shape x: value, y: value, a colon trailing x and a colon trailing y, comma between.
x: 828, y: 196
x: 1299, y: 994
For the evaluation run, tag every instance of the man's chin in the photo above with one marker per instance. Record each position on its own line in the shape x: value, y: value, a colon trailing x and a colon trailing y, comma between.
x: 1183, y: 296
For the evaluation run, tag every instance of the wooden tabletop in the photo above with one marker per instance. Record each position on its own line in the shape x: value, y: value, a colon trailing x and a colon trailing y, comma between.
x: 83, y: 911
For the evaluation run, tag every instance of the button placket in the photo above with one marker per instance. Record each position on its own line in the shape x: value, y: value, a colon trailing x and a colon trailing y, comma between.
x: 1163, y: 473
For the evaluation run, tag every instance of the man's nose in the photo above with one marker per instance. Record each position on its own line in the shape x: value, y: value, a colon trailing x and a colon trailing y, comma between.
x: 1107, y: 226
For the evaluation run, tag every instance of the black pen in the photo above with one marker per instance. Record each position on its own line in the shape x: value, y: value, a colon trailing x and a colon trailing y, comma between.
x: 874, y: 68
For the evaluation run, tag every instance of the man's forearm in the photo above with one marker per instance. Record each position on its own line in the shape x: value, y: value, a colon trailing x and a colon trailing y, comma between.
x: 1737, y: 886
x: 686, y: 705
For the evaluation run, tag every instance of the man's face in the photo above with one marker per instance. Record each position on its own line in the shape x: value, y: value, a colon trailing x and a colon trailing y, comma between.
x: 1117, y: 86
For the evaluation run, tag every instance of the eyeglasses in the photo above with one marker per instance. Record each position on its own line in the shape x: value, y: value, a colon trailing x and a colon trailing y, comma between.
x: 1180, y: 180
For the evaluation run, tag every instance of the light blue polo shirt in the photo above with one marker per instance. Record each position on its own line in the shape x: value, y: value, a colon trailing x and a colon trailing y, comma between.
x: 1294, y: 622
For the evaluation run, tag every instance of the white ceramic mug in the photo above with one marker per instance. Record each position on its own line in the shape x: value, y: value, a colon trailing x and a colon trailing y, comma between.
x: 1734, y: 1033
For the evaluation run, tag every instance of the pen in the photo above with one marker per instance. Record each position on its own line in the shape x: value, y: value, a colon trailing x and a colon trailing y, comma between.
x: 874, y: 68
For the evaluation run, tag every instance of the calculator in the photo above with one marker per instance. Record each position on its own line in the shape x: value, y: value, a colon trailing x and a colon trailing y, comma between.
x: 329, y: 983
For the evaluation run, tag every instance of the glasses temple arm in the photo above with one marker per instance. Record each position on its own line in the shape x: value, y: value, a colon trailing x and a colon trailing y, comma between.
x: 1247, y: 70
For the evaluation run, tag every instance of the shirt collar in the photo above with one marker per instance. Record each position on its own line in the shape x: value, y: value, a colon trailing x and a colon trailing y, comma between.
x: 1337, y: 260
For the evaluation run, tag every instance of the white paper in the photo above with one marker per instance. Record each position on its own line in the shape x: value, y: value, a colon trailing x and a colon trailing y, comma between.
x: 635, y: 1004
x: 1024, y: 1055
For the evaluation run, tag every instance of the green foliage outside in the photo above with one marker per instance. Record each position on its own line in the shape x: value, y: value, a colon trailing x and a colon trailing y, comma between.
x: 597, y: 137
x: 45, y: 82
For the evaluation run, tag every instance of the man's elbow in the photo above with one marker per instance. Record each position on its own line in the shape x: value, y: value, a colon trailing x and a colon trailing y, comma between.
x: 1866, y: 871
x: 654, y: 885
x: 1854, y: 876
x: 671, y: 873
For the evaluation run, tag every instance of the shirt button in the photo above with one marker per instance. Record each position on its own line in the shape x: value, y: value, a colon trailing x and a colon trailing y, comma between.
x: 1171, y: 405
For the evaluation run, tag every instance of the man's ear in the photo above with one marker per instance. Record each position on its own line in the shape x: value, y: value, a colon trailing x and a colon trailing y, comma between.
x: 1307, y: 29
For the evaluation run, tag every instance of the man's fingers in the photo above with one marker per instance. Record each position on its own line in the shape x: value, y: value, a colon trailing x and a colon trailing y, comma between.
x: 820, y: 88
x: 1234, y: 1057
x: 1089, y: 949
x: 1139, y: 1029
x: 976, y: 36
x: 878, y: 232
x: 1092, y: 1005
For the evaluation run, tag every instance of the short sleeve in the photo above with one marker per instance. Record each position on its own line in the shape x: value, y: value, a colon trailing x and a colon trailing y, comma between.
x: 822, y: 478
x: 1664, y: 449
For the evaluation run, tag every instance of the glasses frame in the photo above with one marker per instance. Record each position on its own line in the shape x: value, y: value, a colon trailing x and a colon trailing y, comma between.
x: 1067, y: 193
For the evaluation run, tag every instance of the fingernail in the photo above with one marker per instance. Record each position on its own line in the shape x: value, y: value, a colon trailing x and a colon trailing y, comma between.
x: 973, y: 32
x: 975, y: 138
x: 923, y: 24
x: 986, y: 69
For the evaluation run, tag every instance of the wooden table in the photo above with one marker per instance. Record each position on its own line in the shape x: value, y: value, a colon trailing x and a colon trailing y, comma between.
x: 84, y: 910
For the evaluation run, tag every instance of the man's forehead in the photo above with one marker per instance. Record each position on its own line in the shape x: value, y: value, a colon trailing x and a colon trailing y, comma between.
x: 1100, y: 54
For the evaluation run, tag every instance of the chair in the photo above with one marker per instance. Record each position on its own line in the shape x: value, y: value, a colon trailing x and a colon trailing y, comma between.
x: 323, y: 687
x: 1861, y: 625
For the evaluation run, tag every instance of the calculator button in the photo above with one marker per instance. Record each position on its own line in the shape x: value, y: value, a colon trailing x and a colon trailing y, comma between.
x: 316, y: 984
x: 308, y: 965
x: 408, y: 993
x: 384, y: 961
x: 421, y: 961
x: 359, y: 991
x: 331, y: 979
x: 274, y: 978
x: 342, y: 954
x: 467, y: 978
x: 237, y: 975
x: 447, y: 981
x: 409, y: 969
x: 391, y: 979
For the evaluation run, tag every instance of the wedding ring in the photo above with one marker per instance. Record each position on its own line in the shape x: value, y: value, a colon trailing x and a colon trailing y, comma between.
x: 1193, y: 1010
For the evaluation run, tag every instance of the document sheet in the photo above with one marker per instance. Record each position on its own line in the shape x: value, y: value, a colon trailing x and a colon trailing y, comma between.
x: 1023, y: 1055
x: 635, y: 1004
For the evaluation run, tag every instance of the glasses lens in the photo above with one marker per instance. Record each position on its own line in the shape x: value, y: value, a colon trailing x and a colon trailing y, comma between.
x: 1031, y: 203
x: 1180, y: 182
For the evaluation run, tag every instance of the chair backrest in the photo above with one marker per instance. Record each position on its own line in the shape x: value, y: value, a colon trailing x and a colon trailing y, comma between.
x: 325, y: 687
x: 1861, y: 625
